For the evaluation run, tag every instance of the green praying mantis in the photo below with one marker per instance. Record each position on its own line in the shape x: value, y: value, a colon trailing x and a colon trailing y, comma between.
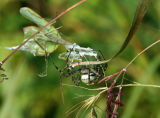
x: 45, y: 41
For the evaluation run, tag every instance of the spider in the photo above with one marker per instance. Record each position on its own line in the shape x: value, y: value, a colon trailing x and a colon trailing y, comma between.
x: 87, y: 74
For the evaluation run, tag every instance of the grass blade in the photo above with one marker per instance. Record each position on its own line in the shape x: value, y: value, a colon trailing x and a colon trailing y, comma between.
x: 139, y: 14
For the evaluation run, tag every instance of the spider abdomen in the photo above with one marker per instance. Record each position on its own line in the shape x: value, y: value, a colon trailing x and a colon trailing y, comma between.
x: 88, y: 76
x: 87, y: 79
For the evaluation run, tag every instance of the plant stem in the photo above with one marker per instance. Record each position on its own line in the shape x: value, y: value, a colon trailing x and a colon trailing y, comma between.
x: 141, y: 53
x: 111, y: 76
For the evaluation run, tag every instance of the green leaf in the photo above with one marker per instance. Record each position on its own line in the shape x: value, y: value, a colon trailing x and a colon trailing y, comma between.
x: 139, y: 14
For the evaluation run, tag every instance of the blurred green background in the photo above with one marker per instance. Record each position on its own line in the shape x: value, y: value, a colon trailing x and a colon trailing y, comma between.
x: 99, y: 24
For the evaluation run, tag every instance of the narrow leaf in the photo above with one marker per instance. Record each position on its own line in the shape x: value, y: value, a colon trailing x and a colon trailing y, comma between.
x: 139, y: 14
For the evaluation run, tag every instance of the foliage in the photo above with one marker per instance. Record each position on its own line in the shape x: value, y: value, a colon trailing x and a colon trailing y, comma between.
x: 98, y: 24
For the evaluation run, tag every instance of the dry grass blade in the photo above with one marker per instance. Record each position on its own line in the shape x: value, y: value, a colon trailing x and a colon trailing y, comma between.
x: 61, y: 88
x: 96, y: 89
x: 73, y: 109
x: 89, y: 63
x: 139, y: 85
x: 87, y: 104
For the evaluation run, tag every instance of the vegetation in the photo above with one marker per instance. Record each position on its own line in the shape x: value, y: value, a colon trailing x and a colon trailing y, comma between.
x: 99, y: 24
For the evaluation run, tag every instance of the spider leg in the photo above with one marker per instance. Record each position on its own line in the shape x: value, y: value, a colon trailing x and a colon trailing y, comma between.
x: 67, y: 60
x: 61, y: 88
x: 101, y: 54
x: 60, y: 78
x: 45, y: 57
x: 72, y: 72
x: 103, y: 66
x: 76, y: 80
x: 89, y: 75
x: 56, y: 67
x: 66, y: 67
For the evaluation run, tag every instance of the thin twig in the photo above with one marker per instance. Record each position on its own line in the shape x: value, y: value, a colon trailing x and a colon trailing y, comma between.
x: 96, y: 89
x: 111, y: 76
x: 140, y: 85
x: 141, y: 53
